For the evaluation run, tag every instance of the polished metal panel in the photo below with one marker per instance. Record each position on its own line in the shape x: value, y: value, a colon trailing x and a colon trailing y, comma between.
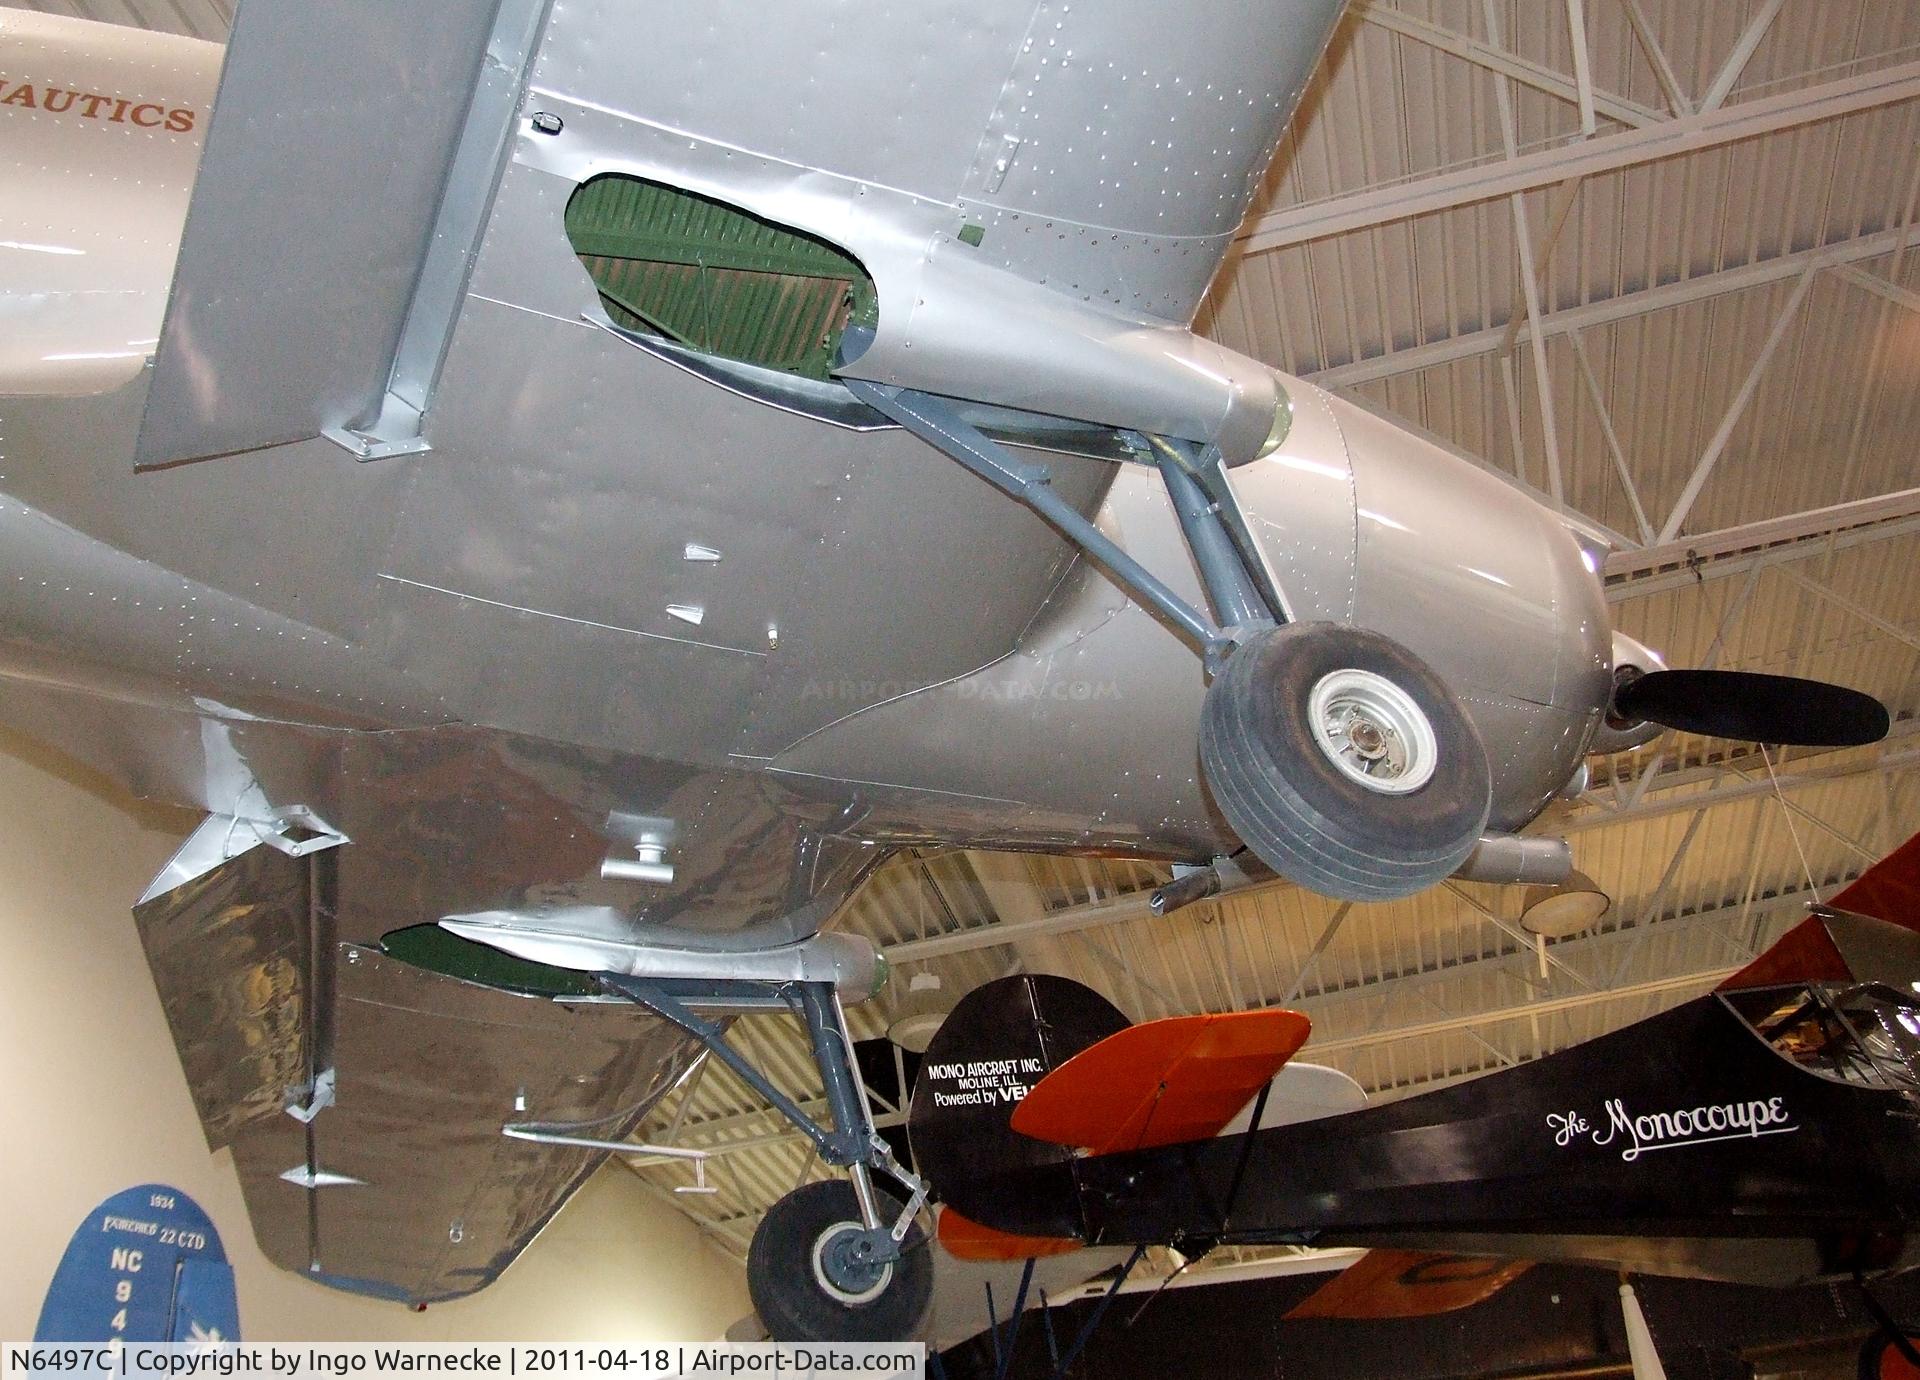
x: 1481, y: 550
x: 398, y: 1179
x: 1300, y: 501
x: 228, y: 952
x: 334, y: 132
x: 497, y: 514
x: 1339, y: 532
x: 429, y: 1071
x: 188, y: 637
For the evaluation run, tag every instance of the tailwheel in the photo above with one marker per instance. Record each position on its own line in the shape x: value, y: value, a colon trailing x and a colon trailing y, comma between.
x: 1343, y: 762
x: 817, y: 1274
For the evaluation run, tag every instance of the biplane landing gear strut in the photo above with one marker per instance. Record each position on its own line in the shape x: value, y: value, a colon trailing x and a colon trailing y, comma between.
x: 1334, y: 752
x: 841, y: 1260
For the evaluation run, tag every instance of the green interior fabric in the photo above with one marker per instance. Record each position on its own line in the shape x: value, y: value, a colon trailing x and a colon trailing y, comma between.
x: 714, y: 278
x: 440, y: 951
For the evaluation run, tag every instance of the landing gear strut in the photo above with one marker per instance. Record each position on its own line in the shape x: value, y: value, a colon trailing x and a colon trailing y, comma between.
x: 832, y: 1261
x: 1334, y: 753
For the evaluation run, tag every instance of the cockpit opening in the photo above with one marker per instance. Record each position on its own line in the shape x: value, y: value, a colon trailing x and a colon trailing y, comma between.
x: 1865, y: 1034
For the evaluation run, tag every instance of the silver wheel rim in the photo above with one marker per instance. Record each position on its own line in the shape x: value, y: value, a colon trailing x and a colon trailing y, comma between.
x: 822, y: 1244
x: 1373, y: 731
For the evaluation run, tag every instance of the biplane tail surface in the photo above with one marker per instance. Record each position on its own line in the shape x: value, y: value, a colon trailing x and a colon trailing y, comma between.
x: 1031, y: 1072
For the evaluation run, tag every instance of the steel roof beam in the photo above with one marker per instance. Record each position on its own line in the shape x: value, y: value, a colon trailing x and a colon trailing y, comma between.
x: 1743, y: 50
x: 1893, y: 292
x: 1514, y: 67
x: 1703, y: 469
x: 1656, y: 55
x: 1502, y: 177
x: 1888, y: 759
x: 1789, y: 537
x: 1789, y: 903
x: 1318, y: 1049
x: 1628, y: 304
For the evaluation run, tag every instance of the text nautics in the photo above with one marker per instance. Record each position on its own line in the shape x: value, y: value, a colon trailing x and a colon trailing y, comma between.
x: 1685, y: 1126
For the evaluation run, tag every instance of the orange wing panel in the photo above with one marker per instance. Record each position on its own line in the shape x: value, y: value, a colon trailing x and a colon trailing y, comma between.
x: 968, y: 1240
x: 1162, y: 1082
x: 1409, y: 1284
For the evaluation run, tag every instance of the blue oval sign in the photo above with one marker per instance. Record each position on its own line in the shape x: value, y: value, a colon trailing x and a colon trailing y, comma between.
x: 145, y: 1266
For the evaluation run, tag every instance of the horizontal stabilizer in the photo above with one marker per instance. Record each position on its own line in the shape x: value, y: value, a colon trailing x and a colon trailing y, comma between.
x: 1409, y: 1284
x: 1161, y: 1083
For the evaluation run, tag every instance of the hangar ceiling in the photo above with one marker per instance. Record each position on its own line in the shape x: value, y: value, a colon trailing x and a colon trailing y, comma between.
x: 1655, y: 260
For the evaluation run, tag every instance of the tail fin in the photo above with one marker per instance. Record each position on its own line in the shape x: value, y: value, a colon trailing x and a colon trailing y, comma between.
x: 1889, y: 890
x: 999, y: 1042
x: 1028, y: 1070
x: 1835, y: 945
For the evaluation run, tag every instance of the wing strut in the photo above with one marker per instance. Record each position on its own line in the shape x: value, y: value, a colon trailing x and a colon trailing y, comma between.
x: 1240, y: 586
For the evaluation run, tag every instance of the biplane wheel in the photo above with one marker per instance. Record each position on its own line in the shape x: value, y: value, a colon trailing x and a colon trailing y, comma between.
x: 1343, y: 761
x: 809, y: 1283
x: 1882, y: 1359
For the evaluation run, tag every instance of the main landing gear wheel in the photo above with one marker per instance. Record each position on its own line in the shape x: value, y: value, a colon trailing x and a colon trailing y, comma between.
x: 1343, y: 762
x: 812, y: 1276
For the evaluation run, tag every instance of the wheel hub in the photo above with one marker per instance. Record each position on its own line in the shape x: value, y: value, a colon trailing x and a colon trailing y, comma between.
x: 846, y: 1264
x: 1373, y: 731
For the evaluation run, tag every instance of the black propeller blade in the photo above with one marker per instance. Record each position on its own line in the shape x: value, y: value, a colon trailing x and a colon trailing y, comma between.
x: 1753, y: 707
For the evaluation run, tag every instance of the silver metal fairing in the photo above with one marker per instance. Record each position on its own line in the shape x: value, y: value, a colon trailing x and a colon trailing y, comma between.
x: 458, y: 819
x: 850, y: 962
x: 1507, y: 859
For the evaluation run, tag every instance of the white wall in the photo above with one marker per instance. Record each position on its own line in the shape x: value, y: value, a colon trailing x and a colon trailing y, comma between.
x: 92, y: 1101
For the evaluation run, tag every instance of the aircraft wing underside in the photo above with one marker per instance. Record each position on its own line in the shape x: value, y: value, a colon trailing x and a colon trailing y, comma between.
x: 363, y: 1096
x: 1039, y: 192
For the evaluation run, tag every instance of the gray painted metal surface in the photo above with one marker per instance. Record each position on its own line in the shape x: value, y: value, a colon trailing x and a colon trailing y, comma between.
x: 472, y: 660
x: 351, y: 122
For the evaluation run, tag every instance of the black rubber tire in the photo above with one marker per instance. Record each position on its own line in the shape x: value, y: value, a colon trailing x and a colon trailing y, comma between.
x: 791, y: 1302
x: 1304, y: 817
